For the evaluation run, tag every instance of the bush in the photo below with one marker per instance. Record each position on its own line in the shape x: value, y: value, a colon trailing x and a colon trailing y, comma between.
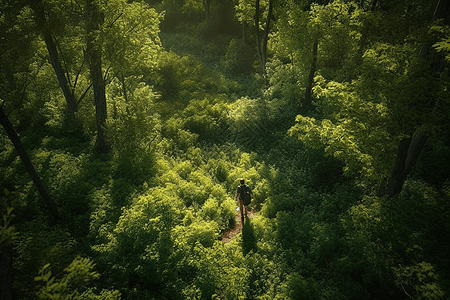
x: 182, y: 78
x: 201, y: 231
x: 207, y: 118
x: 285, y: 82
x: 132, y: 125
x: 36, y: 244
x: 221, y: 273
x: 239, y: 58
x: 140, y: 247
x: 297, y: 287
x: 73, y: 284
x: 389, y: 240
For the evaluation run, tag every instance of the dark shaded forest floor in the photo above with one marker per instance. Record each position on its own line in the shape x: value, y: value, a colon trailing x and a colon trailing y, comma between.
x: 233, y: 232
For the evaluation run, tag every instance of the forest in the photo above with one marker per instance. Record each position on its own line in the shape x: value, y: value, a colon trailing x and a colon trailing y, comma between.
x: 127, y: 125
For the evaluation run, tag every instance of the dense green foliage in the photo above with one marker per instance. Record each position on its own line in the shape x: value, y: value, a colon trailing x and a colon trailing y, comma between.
x: 189, y: 114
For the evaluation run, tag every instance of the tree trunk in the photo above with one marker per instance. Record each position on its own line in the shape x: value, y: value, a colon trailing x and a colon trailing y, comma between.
x: 94, y: 19
x: 312, y: 71
x: 262, y: 49
x: 266, y: 34
x: 374, y: 4
x: 13, y: 136
x: 244, y: 33
x: 258, y: 37
x: 409, y: 149
x: 408, y: 152
x: 207, y: 6
x: 54, y: 57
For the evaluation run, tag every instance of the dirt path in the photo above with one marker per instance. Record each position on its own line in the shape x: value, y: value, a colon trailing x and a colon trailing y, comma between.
x: 233, y: 232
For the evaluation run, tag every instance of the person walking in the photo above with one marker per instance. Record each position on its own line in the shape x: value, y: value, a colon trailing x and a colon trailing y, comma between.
x: 244, y: 196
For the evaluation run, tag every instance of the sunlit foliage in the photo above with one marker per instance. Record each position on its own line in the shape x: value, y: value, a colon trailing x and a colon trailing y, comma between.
x: 73, y: 284
x: 188, y: 117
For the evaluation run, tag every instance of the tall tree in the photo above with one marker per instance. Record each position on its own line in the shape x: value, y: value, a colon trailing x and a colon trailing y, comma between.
x: 409, y: 148
x: 244, y: 10
x: 262, y: 38
x: 131, y: 42
x: 383, y: 103
x: 44, y: 27
x: 250, y: 12
x: 313, y: 36
x: 94, y: 18
x: 16, y: 40
x: 14, y: 137
x: 312, y: 71
x: 207, y: 7
x: 313, y: 68
x: 131, y: 48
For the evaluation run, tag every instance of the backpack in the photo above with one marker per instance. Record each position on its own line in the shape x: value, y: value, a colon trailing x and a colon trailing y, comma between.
x: 245, y: 195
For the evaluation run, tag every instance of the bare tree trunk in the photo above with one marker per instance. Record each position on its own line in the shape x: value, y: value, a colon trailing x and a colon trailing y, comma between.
x: 258, y: 37
x: 266, y: 34
x: 408, y: 152
x: 262, y: 49
x: 312, y: 71
x: 14, y: 137
x: 54, y: 57
x: 94, y: 19
x: 207, y: 6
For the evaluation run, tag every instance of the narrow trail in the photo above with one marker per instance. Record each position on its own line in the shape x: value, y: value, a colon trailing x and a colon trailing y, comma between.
x: 233, y: 232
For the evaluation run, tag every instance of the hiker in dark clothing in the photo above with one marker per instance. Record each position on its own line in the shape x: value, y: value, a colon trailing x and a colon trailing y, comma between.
x: 243, y: 195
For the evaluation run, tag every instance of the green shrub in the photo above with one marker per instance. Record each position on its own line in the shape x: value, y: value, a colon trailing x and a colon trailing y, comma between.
x: 38, y: 243
x: 239, y: 58
x: 248, y: 121
x: 294, y: 230
x: 210, y: 209
x: 207, y: 118
x: 201, y: 231
x: 266, y: 275
x: 265, y: 232
x: 182, y: 78
x: 228, y: 213
x: 286, y: 82
x: 73, y: 284
x: 221, y: 171
x: 388, y: 238
x: 327, y: 243
x: 297, y: 287
x: 139, y: 249
x: 221, y: 273
x: 420, y: 281
x: 132, y: 123
x: 178, y: 138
